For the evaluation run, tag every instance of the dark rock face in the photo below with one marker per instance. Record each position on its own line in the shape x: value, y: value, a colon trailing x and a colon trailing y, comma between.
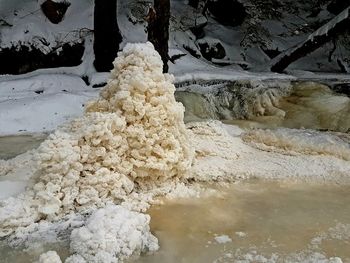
x: 271, y: 53
x: 227, y: 12
x: 54, y: 11
x: 193, y: 3
x: 212, y: 50
x: 25, y: 59
x: 198, y: 28
x: 337, y: 6
x: 198, y: 32
x: 192, y: 51
x: 343, y: 88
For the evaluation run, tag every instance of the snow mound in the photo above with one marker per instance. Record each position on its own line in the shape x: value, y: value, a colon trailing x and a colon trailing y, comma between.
x: 113, y: 233
x: 131, y: 139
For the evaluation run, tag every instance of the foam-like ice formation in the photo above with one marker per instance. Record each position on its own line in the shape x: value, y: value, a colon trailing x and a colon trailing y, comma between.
x: 132, y: 138
x: 113, y: 233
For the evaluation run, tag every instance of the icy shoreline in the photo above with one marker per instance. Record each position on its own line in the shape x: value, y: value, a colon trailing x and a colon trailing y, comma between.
x: 40, y: 102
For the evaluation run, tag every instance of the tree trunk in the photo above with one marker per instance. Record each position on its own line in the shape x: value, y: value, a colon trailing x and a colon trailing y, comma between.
x: 338, y: 25
x: 158, y: 29
x: 106, y: 33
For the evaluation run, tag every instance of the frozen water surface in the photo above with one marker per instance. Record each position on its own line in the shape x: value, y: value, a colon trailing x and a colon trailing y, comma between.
x: 10, y: 146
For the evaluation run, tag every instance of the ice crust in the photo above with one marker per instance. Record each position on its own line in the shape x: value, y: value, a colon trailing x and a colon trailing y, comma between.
x: 225, y: 152
x: 233, y: 100
x: 300, y: 141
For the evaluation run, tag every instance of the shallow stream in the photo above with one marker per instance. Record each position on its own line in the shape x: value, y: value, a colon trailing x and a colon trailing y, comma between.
x: 255, y: 221
x: 298, y: 105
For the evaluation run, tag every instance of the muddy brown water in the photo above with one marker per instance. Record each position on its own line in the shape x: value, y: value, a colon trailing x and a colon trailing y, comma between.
x: 262, y: 221
x: 278, y: 221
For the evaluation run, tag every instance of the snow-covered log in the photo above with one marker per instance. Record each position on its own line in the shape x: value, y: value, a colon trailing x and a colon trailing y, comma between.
x: 324, y: 34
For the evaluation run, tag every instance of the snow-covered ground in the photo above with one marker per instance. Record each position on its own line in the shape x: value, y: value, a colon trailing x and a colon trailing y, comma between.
x: 40, y: 103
